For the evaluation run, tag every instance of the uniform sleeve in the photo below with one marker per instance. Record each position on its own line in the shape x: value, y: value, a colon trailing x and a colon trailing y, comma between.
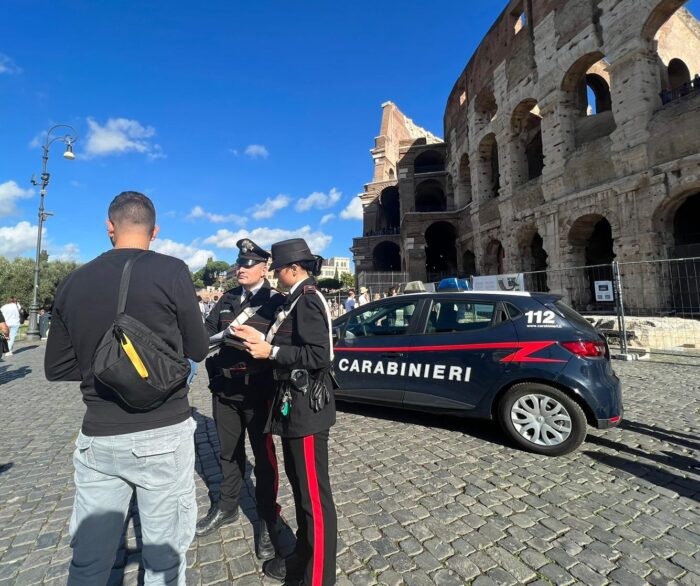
x: 310, y: 329
x: 212, y: 322
x: 60, y: 361
x: 195, y: 342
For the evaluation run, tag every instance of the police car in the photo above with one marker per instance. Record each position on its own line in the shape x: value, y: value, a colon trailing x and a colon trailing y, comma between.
x: 526, y: 360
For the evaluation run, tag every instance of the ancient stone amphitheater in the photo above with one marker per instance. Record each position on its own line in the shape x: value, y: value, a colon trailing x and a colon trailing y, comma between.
x: 571, y: 138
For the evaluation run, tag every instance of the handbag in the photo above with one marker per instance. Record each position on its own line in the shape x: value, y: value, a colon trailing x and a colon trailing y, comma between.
x: 135, y: 363
x: 4, y: 344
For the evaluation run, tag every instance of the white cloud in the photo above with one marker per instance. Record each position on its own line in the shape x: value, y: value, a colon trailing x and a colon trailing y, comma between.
x: 327, y: 218
x: 67, y: 252
x: 353, y: 211
x: 7, y: 65
x: 257, y: 151
x: 271, y: 205
x: 19, y: 239
x: 121, y: 135
x: 199, y: 212
x: 194, y: 257
x: 10, y: 192
x: 264, y: 237
x: 318, y: 200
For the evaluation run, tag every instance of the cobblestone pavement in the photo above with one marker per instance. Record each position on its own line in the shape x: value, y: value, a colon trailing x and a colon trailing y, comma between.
x: 420, y: 500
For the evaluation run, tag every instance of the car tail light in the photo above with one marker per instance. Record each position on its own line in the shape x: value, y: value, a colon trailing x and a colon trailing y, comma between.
x: 586, y: 348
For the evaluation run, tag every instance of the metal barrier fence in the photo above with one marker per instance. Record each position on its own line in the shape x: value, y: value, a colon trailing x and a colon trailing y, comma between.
x: 644, y: 306
x: 380, y: 282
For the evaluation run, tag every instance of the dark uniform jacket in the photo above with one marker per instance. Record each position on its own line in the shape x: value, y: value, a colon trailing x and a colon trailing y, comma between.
x: 259, y: 371
x: 303, y: 343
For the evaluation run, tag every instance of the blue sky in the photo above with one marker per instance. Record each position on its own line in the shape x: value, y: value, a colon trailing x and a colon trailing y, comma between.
x: 215, y: 111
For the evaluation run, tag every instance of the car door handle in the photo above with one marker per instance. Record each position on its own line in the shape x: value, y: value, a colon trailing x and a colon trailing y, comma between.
x: 392, y: 354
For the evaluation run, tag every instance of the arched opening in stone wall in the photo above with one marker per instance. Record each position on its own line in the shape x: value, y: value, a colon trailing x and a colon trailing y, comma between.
x: 389, y: 212
x: 538, y: 263
x: 429, y: 162
x: 464, y: 183
x: 489, y: 171
x: 528, y: 156
x: 587, y: 98
x: 592, y: 245
x: 485, y: 109
x: 430, y: 197
x: 386, y: 256
x: 686, y: 228
x: 469, y: 263
x: 678, y: 75
x: 494, y: 258
x: 440, y: 251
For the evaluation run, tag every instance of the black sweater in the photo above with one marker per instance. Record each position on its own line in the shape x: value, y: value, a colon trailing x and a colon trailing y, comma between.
x: 161, y: 295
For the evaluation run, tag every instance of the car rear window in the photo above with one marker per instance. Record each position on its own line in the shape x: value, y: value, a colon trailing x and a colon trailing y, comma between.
x: 459, y: 316
x: 571, y: 314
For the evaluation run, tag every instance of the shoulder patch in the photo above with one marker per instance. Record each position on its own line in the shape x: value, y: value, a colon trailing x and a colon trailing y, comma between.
x: 309, y: 289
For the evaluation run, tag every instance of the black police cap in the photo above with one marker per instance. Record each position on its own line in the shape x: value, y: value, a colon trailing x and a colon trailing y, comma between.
x: 250, y: 253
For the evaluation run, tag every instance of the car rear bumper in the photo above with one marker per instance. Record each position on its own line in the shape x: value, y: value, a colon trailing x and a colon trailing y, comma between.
x: 609, y: 423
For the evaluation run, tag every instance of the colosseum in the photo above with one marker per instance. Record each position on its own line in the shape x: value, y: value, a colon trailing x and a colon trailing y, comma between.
x: 571, y: 138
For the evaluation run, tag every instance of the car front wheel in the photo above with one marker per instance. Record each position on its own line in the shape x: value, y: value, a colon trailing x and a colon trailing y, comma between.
x: 542, y: 419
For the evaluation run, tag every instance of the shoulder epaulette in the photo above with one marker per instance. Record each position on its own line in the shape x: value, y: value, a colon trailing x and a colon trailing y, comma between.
x: 309, y: 289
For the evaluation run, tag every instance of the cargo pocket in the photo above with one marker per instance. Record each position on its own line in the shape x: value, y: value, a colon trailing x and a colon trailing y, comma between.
x: 84, y: 458
x: 156, y: 461
x: 187, y: 520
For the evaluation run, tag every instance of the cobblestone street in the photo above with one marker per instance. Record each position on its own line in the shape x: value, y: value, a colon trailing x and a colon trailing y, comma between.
x: 420, y: 500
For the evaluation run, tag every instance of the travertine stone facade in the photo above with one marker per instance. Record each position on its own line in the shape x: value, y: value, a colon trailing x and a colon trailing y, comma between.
x: 559, y: 149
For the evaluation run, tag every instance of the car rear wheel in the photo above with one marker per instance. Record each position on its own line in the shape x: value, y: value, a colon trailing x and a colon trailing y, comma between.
x: 542, y: 419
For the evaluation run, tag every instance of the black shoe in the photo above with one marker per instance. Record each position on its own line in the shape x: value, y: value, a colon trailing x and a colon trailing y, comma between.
x: 285, y: 570
x: 267, y: 538
x: 215, y: 518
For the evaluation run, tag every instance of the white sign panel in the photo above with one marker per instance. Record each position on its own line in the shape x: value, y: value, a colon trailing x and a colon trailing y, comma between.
x: 604, y: 291
x: 510, y: 282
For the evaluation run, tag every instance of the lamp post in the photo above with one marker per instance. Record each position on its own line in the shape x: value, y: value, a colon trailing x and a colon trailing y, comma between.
x: 68, y: 139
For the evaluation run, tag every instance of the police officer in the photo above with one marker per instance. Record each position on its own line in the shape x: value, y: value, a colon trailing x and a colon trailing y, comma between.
x: 242, y: 390
x: 299, y: 345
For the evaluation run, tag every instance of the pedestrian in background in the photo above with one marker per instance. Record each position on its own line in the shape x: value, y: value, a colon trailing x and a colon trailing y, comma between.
x: 11, y: 311
x: 120, y: 450
x: 364, y: 296
x: 350, y: 302
x: 299, y: 345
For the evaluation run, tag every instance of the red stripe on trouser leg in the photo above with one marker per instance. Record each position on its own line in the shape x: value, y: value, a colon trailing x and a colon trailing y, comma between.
x: 312, y: 482
x: 272, y: 457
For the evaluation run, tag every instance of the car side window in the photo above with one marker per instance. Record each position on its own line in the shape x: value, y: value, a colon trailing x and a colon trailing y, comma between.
x: 392, y: 319
x: 459, y: 316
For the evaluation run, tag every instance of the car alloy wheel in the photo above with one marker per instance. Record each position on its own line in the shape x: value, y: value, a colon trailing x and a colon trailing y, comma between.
x: 541, y: 420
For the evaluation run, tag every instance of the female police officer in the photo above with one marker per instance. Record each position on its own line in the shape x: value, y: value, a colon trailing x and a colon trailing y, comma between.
x: 299, y: 344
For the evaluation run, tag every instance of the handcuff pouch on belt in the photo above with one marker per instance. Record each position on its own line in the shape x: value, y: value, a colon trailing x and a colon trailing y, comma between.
x: 303, y: 381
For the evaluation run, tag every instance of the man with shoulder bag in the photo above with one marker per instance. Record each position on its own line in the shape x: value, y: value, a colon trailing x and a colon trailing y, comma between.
x: 107, y: 318
x: 242, y: 389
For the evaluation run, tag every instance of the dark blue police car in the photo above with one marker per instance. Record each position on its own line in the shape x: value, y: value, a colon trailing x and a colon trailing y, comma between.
x: 524, y: 359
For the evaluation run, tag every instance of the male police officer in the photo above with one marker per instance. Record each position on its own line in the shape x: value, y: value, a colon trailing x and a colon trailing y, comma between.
x: 299, y: 346
x: 242, y: 388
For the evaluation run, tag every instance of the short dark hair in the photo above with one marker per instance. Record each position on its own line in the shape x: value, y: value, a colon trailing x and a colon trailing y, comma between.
x: 132, y: 207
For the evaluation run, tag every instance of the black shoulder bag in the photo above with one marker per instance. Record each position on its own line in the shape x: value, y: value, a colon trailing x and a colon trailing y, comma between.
x: 141, y: 369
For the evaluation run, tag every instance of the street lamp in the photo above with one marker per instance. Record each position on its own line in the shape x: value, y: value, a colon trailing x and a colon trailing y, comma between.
x: 68, y: 139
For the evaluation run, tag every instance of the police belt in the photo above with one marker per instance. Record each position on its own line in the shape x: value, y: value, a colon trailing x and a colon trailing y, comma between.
x: 241, y: 373
x: 279, y: 374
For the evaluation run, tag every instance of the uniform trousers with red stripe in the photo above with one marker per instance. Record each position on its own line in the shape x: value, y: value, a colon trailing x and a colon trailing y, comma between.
x: 306, y: 465
x: 232, y: 419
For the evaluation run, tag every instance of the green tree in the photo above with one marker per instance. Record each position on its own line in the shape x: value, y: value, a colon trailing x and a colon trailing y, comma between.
x: 209, y: 273
x: 17, y: 278
x: 329, y: 284
x: 348, y: 280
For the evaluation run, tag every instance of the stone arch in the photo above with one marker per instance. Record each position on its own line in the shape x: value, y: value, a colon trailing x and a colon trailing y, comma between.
x: 678, y: 75
x: 494, y: 258
x: 489, y: 170
x: 389, y: 209
x: 485, y: 109
x: 430, y: 161
x: 440, y: 250
x: 591, y: 240
x: 430, y: 197
x: 527, y: 153
x: 676, y: 226
x: 464, y: 181
x: 659, y: 15
x: 533, y: 258
x: 468, y: 263
x: 386, y: 256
